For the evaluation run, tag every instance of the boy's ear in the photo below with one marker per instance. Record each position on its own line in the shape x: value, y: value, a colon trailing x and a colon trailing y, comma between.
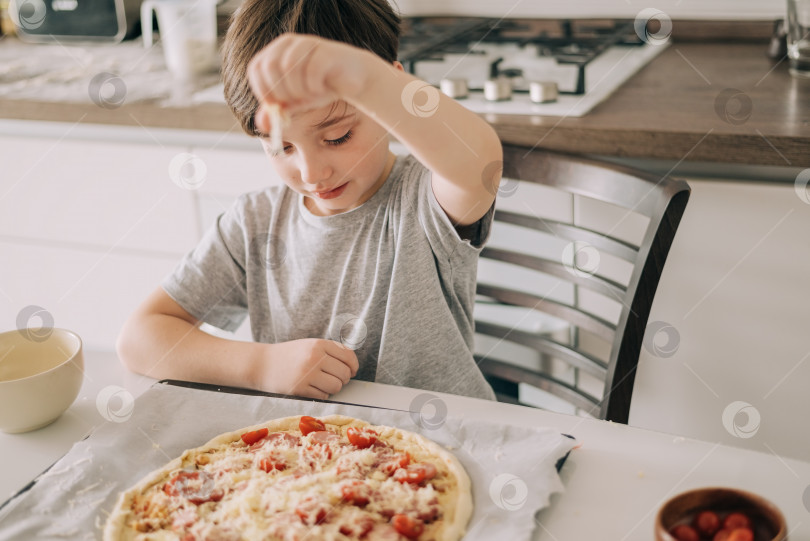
x: 398, y: 65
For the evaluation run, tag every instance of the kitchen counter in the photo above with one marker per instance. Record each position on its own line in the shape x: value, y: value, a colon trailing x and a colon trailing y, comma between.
x: 710, y: 102
x: 699, y: 101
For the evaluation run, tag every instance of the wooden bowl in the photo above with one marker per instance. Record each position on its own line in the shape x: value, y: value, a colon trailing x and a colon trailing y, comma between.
x: 767, y: 521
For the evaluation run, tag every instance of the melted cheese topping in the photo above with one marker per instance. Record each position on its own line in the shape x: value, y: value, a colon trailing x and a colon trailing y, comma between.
x: 289, y: 487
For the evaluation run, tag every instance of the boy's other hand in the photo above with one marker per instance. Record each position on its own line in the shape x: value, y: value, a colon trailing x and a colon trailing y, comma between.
x: 302, y: 72
x: 311, y: 367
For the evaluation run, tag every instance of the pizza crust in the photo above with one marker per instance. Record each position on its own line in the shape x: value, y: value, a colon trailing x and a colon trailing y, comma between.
x: 451, y: 527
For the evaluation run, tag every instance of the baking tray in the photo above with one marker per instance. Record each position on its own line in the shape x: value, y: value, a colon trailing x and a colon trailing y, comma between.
x: 160, y: 389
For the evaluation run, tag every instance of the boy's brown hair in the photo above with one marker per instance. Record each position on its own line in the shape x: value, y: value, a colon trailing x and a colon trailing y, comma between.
x: 370, y: 24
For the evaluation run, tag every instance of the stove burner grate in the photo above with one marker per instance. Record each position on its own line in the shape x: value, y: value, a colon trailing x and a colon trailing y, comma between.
x: 571, y: 42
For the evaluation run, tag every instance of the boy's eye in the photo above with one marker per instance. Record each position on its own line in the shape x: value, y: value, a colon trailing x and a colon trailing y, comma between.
x: 287, y: 148
x: 340, y: 140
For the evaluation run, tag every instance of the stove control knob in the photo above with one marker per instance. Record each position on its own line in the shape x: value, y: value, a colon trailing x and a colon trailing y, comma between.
x: 543, y: 91
x: 455, y: 88
x: 498, y: 89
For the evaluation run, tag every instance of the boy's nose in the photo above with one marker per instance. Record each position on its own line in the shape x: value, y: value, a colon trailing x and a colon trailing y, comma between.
x: 313, y: 170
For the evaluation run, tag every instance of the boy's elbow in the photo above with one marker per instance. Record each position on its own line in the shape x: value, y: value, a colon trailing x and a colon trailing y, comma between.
x: 493, y: 145
x: 487, y: 145
x: 126, y: 347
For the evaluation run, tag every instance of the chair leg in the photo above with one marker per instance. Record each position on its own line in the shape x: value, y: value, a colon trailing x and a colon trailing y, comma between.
x: 507, y: 389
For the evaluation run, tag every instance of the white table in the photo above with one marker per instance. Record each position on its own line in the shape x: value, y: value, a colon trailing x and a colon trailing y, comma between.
x: 615, y: 481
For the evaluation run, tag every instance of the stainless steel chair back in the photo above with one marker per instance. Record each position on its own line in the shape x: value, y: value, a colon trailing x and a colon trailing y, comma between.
x: 567, y: 281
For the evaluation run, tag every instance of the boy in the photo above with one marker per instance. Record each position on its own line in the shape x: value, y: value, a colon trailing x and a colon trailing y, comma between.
x: 364, y: 264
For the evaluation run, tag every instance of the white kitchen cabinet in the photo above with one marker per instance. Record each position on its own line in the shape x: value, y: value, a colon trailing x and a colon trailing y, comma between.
x: 233, y: 172
x: 87, y: 229
x: 735, y: 290
x: 230, y: 173
x: 93, y: 193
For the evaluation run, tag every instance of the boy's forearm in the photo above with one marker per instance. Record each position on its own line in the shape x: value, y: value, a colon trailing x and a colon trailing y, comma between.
x: 165, y: 347
x: 447, y: 138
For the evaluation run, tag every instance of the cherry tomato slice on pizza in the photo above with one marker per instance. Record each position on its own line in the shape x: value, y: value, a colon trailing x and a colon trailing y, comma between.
x: 361, y: 438
x: 254, y: 435
x: 309, y: 424
x: 415, y: 473
x: 400, y: 460
x: 355, y: 492
x: 408, y: 526
x: 195, y: 486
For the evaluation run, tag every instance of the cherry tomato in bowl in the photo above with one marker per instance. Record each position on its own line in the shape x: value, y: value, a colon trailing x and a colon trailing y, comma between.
x: 707, y: 523
x: 719, y: 514
x: 684, y: 532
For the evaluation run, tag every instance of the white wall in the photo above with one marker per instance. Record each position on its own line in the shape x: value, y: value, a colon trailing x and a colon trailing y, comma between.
x: 676, y: 9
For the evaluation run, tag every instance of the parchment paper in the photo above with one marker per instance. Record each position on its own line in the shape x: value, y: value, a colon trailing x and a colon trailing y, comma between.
x: 512, y: 468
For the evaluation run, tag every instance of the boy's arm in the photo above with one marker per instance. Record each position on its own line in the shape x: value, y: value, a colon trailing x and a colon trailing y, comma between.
x: 162, y: 340
x: 462, y: 151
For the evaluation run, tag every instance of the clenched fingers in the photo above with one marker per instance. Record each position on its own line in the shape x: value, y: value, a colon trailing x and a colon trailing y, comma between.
x: 314, y: 392
x: 338, y: 369
x: 344, y: 355
x: 326, y: 383
x: 281, y: 73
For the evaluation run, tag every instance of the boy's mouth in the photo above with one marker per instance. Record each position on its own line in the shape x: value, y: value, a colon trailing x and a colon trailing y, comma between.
x: 331, y: 194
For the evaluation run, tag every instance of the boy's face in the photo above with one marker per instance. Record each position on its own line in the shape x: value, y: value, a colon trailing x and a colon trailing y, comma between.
x: 336, y: 157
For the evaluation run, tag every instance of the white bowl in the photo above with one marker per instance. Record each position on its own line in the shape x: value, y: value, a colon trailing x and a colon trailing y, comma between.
x: 41, y: 372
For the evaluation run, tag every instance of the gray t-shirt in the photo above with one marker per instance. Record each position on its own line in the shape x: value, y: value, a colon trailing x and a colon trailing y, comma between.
x: 391, y: 279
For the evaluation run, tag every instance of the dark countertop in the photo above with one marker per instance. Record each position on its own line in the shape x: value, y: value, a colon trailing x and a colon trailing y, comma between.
x: 700, y: 100
x: 710, y: 102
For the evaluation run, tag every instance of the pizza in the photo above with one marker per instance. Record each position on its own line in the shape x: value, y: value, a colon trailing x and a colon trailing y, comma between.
x: 296, y: 478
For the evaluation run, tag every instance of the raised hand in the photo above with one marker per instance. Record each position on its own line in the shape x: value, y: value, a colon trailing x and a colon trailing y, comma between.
x: 302, y: 72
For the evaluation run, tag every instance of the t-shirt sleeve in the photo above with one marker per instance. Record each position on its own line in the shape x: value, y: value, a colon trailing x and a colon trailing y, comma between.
x: 209, y: 283
x: 440, y: 231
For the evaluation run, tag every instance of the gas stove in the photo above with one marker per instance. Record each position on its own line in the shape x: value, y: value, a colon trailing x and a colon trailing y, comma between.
x: 524, y: 66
